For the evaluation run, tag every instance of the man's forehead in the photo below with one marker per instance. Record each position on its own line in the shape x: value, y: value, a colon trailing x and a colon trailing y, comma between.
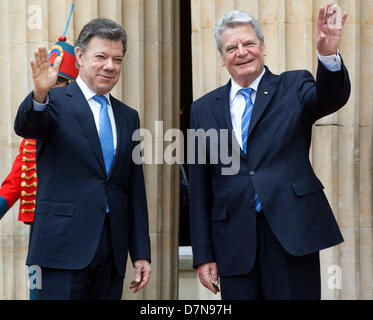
x: 238, y: 38
x: 101, y: 44
x: 239, y: 31
x: 107, y: 51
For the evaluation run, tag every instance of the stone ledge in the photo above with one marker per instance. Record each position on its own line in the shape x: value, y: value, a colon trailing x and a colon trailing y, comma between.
x: 185, y: 258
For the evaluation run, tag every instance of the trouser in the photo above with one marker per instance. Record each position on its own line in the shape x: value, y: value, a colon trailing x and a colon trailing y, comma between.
x: 276, y: 274
x: 98, y: 281
x: 32, y: 278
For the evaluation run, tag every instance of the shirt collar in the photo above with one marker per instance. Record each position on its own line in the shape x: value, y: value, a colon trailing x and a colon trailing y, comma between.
x: 87, y: 91
x: 236, y: 87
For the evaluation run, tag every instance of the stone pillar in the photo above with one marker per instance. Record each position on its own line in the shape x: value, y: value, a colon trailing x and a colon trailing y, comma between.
x: 149, y: 83
x: 341, y: 150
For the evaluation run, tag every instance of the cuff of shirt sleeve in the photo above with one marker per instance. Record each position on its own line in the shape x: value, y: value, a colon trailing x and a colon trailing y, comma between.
x: 332, y: 62
x: 3, y: 206
x: 40, y: 106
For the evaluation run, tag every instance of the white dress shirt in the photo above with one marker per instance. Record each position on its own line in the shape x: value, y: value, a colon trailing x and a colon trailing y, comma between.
x: 95, y: 107
x: 237, y: 101
x: 237, y: 104
x: 93, y: 104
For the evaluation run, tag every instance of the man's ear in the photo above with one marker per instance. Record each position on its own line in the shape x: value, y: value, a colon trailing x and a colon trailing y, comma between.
x: 223, y: 61
x: 79, y: 55
x: 263, y: 48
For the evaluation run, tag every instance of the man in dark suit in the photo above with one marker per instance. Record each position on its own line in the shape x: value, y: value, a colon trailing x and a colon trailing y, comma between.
x: 260, y: 230
x: 91, y: 202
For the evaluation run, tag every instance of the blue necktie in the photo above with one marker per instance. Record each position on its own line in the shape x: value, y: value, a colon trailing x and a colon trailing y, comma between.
x: 246, y: 117
x: 105, y: 133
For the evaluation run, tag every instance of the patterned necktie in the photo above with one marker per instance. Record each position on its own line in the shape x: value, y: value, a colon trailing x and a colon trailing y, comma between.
x: 105, y: 133
x: 246, y: 117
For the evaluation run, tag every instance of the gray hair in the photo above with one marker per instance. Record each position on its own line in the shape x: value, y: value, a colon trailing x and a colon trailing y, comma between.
x: 232, y: 20
x: 104, y: 29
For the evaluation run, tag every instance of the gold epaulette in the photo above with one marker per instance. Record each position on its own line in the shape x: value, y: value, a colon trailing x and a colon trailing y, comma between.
x: 24, y: 202
x: 27, y: 210
x: 24, y: 168
x: 25, y: 159
x: 24, y: 176
x: 28, y: 151
x: 25, y: 185
x: 25, y: 194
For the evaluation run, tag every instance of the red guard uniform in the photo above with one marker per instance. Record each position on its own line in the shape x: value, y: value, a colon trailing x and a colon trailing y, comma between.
x: 21, y: 183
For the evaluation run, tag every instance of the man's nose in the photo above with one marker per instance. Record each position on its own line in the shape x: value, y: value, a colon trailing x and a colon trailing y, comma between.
x: 109, y: 64
x: 241, y: 50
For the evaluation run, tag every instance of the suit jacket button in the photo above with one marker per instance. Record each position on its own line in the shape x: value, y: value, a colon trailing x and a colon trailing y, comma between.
x: 252, y: 173
x: 251, y: 204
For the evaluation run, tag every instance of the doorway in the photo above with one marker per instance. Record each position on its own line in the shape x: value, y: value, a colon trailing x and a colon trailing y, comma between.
x: 186, y: 99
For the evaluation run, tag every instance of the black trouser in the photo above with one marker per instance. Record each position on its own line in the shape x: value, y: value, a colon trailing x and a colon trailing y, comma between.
x: 276, y: 274
x: 99, y: 280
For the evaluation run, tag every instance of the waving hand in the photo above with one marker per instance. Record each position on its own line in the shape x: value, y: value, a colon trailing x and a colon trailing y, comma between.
x: 329, y: 29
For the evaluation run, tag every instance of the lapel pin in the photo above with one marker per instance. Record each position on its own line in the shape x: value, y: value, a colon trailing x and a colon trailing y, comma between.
x: 265, y: 92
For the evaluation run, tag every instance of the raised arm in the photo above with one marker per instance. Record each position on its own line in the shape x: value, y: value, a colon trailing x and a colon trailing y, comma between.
x: 43, y: 75
x: 31, y: 122
x: 329, y: 29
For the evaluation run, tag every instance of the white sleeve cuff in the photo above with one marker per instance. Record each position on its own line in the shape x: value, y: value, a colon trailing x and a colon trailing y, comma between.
x: 40, y: 106
x: 332, y: 63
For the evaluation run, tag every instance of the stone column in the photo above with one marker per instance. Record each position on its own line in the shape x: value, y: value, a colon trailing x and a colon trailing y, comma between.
x: 341, y: 150
x: 149, y: 83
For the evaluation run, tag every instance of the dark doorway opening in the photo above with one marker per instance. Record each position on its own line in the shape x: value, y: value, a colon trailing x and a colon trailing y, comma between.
x: 186, y: 99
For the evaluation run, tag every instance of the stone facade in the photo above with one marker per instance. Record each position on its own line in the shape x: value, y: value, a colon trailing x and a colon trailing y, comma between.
x: 149, y: 83
x: 342, y: 143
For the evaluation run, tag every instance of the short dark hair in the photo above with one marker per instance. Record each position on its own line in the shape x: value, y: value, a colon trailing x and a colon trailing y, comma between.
x: 104, y: 29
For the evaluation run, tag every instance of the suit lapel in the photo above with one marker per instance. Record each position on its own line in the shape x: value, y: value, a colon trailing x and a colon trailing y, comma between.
x: 84, y: 114
x: 221, y: 109
x: 266, y: 90
x: 223, y: 117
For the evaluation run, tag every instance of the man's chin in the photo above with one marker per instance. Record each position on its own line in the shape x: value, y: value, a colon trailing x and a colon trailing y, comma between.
x: 103, y: 89
x: 106, y: 85
x: 248, y: 73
